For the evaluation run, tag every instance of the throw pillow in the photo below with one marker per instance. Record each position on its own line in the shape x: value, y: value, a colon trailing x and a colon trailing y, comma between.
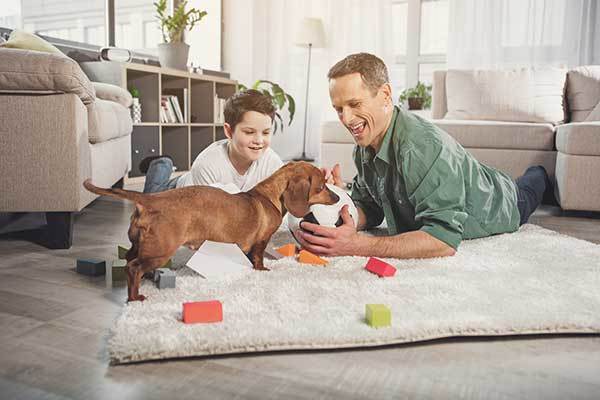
x: 517, y: 95
x: 583, y: 93
x: 28, y: 41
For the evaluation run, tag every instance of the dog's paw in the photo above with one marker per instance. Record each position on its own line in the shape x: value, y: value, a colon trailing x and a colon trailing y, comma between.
x: 139, y: 297
x: 262, y: 268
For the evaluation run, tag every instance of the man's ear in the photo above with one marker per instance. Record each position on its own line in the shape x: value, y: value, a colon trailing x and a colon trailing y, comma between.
x: 295, y: 197
x: 386, y: 91
x: 228, y: 130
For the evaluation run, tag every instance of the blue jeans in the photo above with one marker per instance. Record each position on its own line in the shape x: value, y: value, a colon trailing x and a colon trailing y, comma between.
x: 530, y: 191
x: 158, y: 176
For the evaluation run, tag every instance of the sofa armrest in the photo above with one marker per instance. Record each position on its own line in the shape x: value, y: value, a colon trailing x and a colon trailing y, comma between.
x: 579, y: 138
x: 26, y: 71
x: 116, y: 94
x: 439, y: 105
x: 44, y: 153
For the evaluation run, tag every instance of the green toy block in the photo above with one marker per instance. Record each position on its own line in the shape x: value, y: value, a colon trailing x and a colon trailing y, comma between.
x: 118, y: 270
x: 168, y: 264
x: 122, y: 251
x: 378, y: 315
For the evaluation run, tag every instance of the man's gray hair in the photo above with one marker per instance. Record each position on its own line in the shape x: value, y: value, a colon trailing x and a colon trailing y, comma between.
x: 372, y: 70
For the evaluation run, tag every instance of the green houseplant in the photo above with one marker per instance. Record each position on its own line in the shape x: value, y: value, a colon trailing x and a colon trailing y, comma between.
x: 280, y: 99
x: 418, y: 97
x: 173, y: 53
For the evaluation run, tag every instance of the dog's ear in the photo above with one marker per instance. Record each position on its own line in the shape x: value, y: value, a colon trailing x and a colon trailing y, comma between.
x: 295, y: 196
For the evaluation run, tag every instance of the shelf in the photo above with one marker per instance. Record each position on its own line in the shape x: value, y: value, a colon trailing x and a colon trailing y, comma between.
x: 182, y: 141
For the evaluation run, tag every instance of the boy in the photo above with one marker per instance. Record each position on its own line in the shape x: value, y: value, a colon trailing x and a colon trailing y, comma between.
x: 243, y: 159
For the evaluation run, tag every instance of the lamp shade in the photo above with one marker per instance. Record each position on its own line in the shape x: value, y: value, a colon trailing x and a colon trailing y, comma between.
x: 311, y: 32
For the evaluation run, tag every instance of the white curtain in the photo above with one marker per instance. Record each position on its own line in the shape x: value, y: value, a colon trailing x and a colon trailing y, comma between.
x: 505, y: 33
x: 259, y: 44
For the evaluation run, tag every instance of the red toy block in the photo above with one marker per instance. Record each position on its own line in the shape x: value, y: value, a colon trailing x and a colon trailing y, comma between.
x: 202, y: 311
x: 379, y: 267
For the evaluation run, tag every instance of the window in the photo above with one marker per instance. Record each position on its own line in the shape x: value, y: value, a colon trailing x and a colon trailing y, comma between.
x: 63, y: 19
x: 136, y: 27
x: 420, y: 41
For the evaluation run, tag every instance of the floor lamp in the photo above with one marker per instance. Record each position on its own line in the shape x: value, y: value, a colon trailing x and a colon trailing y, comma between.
x: 310, y: 34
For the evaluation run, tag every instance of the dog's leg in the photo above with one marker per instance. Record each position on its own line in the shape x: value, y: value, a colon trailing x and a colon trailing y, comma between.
x: 256, y: 256
x: 136, y: 269
x: 134, y: 275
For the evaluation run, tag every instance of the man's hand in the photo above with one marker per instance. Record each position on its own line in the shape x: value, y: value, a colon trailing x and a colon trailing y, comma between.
x: 334, y: 176
x: 322, y: 240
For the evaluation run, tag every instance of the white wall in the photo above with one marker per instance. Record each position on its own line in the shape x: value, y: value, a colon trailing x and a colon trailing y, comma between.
x: 205, y: 38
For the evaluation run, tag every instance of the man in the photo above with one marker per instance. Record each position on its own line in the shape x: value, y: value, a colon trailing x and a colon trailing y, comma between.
x: 431, y: 191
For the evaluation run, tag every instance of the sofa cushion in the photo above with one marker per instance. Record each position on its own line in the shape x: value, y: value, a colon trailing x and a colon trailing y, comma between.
x: 106, y: 91
x: 500, y: 135
x: 33, y: 71
x: 519, y: 95
x: 108, y: 120
x: 583, y: 91
x: 579, y: 138
x: 19, y: 39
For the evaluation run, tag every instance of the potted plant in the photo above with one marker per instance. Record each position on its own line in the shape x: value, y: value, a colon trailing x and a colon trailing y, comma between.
x: 173, y: 53
x: 419, y: 97
x: 280, y: 100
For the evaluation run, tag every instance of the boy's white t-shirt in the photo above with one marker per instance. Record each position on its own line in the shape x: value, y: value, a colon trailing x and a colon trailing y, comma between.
x: 213, y: 167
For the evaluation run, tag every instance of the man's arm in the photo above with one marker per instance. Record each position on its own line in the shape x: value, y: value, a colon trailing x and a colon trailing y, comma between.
x: 346, y: 241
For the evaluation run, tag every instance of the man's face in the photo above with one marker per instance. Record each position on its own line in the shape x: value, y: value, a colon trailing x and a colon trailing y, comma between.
x: 365, y: 115
x: 251, y: 137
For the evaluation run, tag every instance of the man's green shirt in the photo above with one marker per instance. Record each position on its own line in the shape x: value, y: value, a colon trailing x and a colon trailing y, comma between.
x: 422, y: 179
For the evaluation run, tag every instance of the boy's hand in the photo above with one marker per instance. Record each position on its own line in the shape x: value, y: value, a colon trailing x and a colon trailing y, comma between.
x: 334, y: 176
x: 322, y: 240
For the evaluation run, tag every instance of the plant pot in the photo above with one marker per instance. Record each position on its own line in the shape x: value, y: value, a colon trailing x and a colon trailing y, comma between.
x: 173, y: 55
x: 415, y: 103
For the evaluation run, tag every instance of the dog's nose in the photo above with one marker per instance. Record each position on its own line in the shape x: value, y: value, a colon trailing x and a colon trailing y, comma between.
x: 334, y: 197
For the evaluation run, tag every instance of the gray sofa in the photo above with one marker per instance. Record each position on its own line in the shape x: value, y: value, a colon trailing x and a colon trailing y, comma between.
x: 57, y: 130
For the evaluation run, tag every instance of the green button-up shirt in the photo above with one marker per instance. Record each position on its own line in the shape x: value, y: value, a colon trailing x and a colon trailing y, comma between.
x: 422, y: 179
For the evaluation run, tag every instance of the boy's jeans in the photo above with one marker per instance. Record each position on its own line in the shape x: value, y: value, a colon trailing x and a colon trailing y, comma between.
x: 157, y: 177
x: 530, y: 191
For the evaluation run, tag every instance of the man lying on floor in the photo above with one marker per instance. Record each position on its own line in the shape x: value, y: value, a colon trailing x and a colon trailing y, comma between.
x: 431, y: 191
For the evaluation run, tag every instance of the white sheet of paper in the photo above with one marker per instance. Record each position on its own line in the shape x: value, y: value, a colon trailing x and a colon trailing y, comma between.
x: 213, y: 260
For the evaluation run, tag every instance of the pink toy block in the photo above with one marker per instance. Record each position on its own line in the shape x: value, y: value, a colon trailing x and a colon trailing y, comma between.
x: 379, y: 267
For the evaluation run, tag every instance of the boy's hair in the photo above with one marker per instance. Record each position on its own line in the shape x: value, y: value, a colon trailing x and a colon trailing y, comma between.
x: 371, y: 68
x: 249, y: 100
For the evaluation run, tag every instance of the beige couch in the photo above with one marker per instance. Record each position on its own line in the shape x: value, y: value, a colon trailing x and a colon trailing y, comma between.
x: 570, y: 152
x: 57, y: 130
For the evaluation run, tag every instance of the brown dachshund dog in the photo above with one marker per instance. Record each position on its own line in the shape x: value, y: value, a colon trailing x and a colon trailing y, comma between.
x: 164, y: 221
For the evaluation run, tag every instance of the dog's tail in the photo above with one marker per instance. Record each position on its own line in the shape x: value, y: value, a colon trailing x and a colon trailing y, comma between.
x: 137, y: 197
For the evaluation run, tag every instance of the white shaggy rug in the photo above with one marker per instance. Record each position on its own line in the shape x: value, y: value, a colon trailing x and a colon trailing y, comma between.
x: 534, y: 281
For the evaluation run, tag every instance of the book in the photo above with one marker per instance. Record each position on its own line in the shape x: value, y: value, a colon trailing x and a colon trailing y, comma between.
x: 175, y: 102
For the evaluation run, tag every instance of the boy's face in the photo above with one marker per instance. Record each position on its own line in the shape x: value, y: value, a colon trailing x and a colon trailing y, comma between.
x: 251, y: 137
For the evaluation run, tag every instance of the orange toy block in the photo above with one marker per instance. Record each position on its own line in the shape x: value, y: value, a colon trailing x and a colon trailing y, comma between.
x: 202, y: 311
x: 306, y: 257
x: 287, y: 250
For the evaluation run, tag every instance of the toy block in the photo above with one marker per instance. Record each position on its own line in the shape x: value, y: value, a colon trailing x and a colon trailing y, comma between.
x: 118, y: 270
x: 306, y: 257
x: 164, y: 278
x: 91, y: 267
x: 288, y: 250
x: 168, y: 264
x: 202, y: 311
x: 378, y: 315
x: 380, y: 267
x: 122, y: 251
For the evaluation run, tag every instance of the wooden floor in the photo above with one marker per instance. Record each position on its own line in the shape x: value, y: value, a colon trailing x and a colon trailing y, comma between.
x: 54, y: 324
